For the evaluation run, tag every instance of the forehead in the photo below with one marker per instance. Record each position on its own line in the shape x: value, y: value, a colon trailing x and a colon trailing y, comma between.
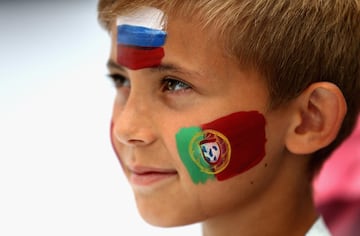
x: 194, y: 47
x: 140, y: 38
x: 186, y: 42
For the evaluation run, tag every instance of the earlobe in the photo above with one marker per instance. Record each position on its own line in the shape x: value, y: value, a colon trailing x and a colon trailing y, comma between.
x: 319, y: 113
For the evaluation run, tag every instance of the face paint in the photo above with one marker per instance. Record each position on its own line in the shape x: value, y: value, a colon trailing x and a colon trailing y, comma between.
x: 137, y: 58
x: 140, y: 37
x: 223, y: 148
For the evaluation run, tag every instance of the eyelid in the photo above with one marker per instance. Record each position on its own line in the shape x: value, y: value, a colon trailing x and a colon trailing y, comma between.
x: 119, y: 80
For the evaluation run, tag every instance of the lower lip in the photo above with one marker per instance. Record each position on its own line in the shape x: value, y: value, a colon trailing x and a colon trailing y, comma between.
x: 148, y: 179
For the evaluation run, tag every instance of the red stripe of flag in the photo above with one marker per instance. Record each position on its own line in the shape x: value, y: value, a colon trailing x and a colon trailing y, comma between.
x: 246, y: 134
x: 139, y: 57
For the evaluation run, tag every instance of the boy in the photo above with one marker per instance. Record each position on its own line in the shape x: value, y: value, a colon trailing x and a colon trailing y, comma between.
x: 226, y: 109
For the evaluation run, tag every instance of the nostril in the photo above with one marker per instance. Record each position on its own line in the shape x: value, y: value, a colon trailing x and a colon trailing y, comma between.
x: 136, y: 142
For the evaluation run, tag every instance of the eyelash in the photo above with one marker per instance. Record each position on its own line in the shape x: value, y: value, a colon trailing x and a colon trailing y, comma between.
x: 168, y: 84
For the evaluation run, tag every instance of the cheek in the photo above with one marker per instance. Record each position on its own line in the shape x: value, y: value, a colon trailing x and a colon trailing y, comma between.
x: 223, y: 148
x: 112, y: 139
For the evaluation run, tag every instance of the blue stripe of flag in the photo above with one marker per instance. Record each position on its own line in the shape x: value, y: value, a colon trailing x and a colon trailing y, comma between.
x: 140, y: 36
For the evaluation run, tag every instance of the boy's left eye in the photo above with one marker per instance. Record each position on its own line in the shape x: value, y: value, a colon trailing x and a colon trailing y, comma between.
x: 174, y: 85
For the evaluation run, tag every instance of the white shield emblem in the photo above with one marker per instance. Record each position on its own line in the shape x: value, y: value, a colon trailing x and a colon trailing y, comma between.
x: 211, y: 151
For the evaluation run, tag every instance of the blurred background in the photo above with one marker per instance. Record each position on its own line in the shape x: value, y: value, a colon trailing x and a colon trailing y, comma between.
x: 58, y: 173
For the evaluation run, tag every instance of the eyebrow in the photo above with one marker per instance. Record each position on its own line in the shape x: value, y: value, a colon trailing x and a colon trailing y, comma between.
x: 113, y: 65
x: 162, y: 68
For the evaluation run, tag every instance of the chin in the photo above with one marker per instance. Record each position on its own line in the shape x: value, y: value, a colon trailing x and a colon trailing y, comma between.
x: 165, y: 222
x: 167, y: 219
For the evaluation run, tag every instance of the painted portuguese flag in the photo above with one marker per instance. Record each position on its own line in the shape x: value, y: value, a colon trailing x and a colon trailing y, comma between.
x: 224, y: 147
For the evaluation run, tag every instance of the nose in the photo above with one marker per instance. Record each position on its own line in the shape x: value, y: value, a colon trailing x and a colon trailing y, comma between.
x: 133, y: 121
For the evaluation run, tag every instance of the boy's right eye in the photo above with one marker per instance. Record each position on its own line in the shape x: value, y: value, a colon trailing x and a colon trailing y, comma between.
x: 119, y: 80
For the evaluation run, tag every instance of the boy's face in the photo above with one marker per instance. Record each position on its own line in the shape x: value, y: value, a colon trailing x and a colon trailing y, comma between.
x: 194, y: 85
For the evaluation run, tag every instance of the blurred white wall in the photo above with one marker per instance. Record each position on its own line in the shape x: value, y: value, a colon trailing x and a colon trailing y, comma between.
x: 58, y: 173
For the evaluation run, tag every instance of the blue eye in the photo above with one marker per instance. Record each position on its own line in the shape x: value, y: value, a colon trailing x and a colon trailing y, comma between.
x: 174, y: 85
x: 119, y: 80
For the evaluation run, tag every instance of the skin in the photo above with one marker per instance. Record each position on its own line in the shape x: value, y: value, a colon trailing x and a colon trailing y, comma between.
x: 148, y: 114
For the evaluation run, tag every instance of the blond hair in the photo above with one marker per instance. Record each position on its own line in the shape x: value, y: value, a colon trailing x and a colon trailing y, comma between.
x: 291, y: 43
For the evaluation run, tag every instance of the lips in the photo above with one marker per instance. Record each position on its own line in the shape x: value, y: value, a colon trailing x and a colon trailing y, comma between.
x: 146, y: 176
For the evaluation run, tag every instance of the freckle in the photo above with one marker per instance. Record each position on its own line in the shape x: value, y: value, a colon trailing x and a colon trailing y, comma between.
x: 252, y: 182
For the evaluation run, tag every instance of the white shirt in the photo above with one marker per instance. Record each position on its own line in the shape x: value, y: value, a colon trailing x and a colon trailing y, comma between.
x: 319, y: 228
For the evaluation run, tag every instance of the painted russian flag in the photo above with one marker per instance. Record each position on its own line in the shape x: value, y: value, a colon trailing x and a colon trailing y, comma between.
x: 223, y: 148
x: 140, y: 38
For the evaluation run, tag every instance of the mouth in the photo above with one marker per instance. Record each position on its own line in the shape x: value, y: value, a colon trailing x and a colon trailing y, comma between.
x: 147, y: 176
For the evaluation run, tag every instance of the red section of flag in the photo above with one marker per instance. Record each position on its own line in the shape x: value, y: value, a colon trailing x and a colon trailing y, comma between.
x: 139, y: 57
x: 246, y: 134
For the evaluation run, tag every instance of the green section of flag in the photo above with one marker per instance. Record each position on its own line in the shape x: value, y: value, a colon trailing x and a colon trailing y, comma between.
x: 183, y: 142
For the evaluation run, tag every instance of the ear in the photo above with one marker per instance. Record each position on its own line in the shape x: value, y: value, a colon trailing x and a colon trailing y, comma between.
x: 318, y: 114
